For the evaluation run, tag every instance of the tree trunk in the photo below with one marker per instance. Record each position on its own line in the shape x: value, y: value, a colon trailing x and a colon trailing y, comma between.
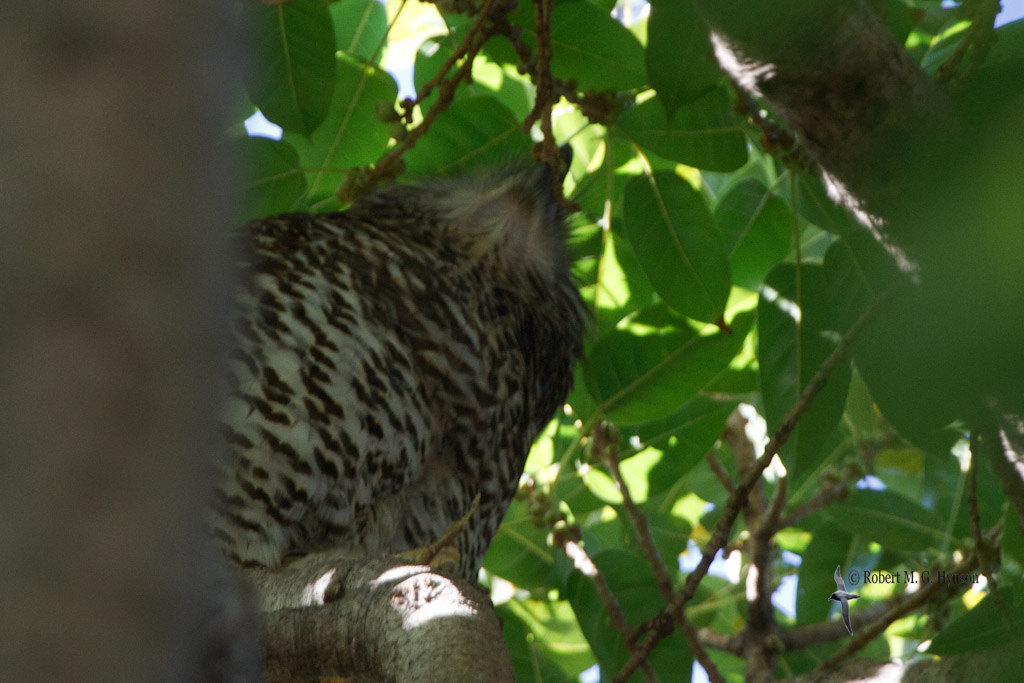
x: 113, y: 190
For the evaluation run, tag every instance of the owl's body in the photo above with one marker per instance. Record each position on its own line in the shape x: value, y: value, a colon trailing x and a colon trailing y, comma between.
x: 392, y: 362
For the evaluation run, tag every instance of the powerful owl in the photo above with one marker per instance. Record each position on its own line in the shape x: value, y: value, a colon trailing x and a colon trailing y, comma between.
x: 392, y: 363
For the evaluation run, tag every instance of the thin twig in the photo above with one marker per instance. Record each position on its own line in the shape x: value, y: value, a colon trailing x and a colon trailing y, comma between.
x: 972, y: 499
x: 566, y: 537
x: 976, y: 532
x: 833, y: 489
x: 582, y: 561
x: 389, y: 165
x: 605, y: 444
x: 719, y: 472
x: 605, y: 440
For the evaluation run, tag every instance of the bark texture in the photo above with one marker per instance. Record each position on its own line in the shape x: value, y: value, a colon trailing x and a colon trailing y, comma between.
x: 833, y: 72
x: 378, y: 620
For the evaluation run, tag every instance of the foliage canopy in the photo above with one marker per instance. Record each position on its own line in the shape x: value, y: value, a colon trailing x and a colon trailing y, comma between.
x: 718, y: 273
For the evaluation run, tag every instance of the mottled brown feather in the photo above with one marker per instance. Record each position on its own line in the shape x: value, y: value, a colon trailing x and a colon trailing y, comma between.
x: 392, y: 362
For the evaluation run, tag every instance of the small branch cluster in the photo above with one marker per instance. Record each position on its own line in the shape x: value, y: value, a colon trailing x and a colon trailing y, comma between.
x: 605, y: 449
x: 455, y: 70
x: 775, y: 139
x: 760, y: 642
x: 491, y: 19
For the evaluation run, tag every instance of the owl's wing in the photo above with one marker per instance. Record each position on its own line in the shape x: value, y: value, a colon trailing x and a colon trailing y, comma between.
x: 326, y: 415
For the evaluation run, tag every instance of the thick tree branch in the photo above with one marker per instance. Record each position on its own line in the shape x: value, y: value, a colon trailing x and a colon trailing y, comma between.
x: 833, y: 72
x: 383, y: 619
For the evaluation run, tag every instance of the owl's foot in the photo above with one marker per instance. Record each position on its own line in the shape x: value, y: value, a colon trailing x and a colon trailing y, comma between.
x: 441, y: 554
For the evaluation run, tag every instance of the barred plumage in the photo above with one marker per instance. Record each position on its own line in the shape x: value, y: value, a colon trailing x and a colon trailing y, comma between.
x: 392, y: 362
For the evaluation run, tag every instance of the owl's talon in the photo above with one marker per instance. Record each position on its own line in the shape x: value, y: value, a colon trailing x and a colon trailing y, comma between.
x: 442, y: 552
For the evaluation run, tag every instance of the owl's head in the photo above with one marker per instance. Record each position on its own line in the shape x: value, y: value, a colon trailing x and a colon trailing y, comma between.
x: 508, y: 215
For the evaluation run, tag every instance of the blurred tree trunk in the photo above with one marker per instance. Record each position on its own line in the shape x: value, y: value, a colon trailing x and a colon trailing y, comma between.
x: 113, y: 192
x: 895, y: 149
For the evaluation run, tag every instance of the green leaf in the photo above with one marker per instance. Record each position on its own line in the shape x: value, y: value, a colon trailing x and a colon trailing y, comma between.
x: 889, y: 519
x: 1009, y: 45
x: 359, y: 28
x: 1013, y: 538
x: 792, y: 321
x: 474, y: 131
x: 829, y: 546
x: 702, y: 133
x: 684, y: 439
x: 637, y: 378
x: 351, y: 136
x: 757, y: 231
x: 680, y: 64
x: 909, y: 380
x: 888, y: 353
x: 591, y: 48
x: 605, y: 641
x: 520, y: 552
x: 993, y: 623
x: 899, y: 19
x: 677, y: 245
x: 622, y: 288
x: 430, y: 57
x: 294, y: 75
x: 814, y: 204
x: 274, y: 181
x: 857, y: 271
x: 544, y: 640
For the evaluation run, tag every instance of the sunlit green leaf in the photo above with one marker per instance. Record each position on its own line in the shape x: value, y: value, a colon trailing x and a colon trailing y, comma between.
x: 544, y: 640
x: 683, y: 438
x: 473, y: 131
x: 351, y: 136
x: 520, y: 552
x: 622, y: 287
x: 638, y: 378
x: 756, y: 229
x: 589, y: 47
x: 677, y: 245
x: 702, y: 133
x: 359, y: 28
